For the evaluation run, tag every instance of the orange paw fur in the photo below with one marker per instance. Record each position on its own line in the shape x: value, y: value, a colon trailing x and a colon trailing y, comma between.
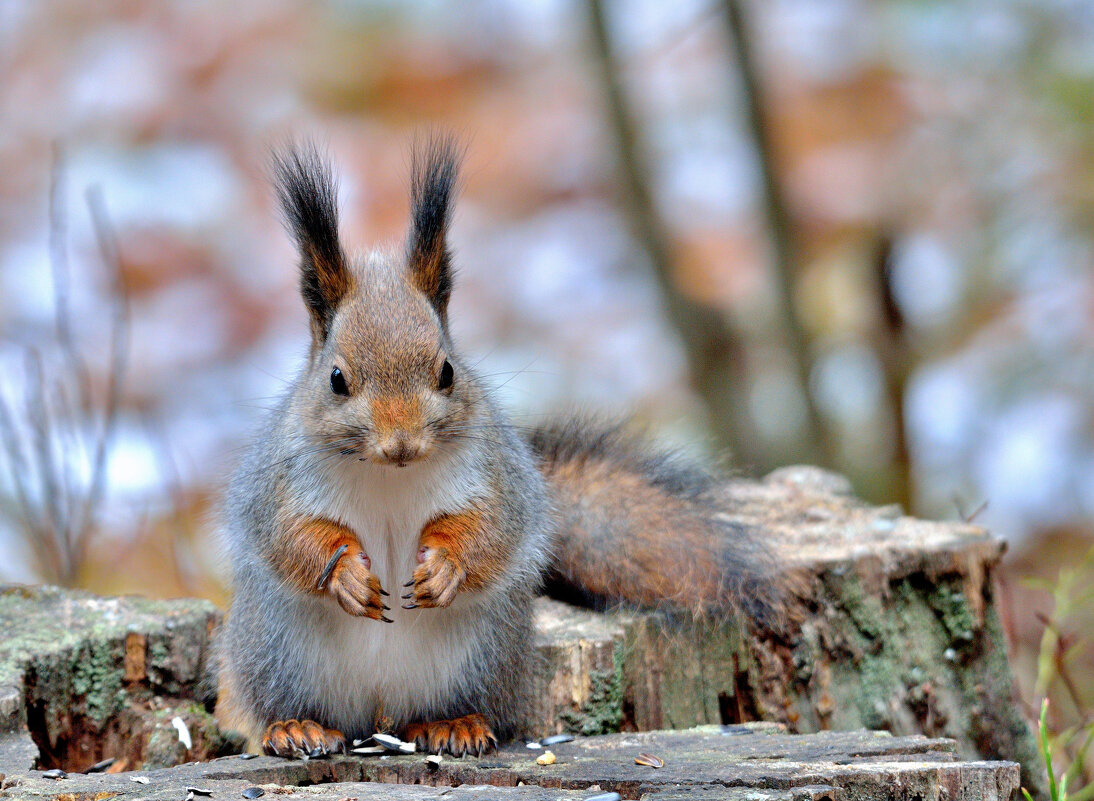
x: 470, y: 734
x: 289, y: 737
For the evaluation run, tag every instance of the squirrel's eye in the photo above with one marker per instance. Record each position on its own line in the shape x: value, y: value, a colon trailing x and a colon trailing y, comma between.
x: 338, y: 382
x: 447, y: 376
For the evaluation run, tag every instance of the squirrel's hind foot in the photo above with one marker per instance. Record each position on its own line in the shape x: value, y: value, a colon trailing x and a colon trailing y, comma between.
x: 470, y: 734
x: 291, y: 737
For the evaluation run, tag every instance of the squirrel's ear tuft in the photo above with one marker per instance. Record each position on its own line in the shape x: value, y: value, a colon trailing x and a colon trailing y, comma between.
x: 434, y: 170
x: 309, y: 202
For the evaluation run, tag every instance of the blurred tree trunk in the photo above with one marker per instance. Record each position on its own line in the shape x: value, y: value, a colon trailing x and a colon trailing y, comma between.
x: 893, y: 352
x: 716, y: 357
x: 818, y: 445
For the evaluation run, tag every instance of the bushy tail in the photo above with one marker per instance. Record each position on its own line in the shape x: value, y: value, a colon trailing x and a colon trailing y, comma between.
x: 647, y: 527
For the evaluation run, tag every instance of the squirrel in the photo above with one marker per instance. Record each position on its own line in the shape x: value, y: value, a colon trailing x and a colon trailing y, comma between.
x: 389, y: 529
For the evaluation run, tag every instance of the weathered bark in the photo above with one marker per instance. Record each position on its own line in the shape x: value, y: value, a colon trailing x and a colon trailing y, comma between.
x: 84, y: 678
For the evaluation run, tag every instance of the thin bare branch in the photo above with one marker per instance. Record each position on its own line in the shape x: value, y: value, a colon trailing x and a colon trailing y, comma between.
x: 119, y: 351
x: 43, y: 439
x: 59, y: 265
x: 17, y: 470
x: 52, y: 502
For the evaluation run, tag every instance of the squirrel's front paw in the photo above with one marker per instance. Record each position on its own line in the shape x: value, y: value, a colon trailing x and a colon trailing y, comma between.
x: 354, y: 586
x: 436, y: 581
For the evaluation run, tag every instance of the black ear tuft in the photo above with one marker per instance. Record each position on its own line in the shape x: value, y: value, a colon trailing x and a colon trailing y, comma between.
x: 434, y: 172
x: 309, y: 202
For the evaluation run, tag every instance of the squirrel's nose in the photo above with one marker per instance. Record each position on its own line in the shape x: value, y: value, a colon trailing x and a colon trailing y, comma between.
x: 400, y: 449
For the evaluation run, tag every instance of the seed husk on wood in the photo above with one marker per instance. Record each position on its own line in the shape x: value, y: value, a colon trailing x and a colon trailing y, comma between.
x: 199, y: 791
x: 55, y: 774
x: 99, y: 767
x: 394, y: 744
x: 139, y: 779
x: 368, y: 749
x: 555, y: 739
x: 546, y: 758
x: 604, y: 797
x: 649, y: 760
x: 254, y: 792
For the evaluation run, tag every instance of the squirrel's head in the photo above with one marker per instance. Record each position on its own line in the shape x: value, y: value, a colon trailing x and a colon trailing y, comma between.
x: 382, y: 383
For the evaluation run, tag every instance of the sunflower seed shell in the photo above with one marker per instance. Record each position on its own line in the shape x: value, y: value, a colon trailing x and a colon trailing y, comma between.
x: 650, y: 760
x: 555, y: 739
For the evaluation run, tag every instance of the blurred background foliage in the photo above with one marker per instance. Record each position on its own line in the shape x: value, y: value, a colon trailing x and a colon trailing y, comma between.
x: 844, y: 232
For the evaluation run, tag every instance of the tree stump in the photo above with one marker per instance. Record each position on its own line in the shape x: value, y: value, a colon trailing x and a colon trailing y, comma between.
x: 899, y: 633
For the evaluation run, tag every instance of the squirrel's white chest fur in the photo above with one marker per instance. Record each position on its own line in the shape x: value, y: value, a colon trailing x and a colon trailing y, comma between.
x: 409, y: 667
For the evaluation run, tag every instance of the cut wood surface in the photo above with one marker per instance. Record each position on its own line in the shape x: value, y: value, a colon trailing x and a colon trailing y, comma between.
x: 756, y: 762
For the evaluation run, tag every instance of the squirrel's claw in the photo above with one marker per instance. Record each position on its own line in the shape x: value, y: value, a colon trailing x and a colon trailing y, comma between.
x: 287, y: 738
x: 470, y: 734
x: 356, y: 589
x: 436, y: 580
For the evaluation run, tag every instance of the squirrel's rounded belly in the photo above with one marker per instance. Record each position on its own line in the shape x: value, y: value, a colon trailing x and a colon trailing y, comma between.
x: 408, y: 670
x: 405, y: 670
x: 416, y: 666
